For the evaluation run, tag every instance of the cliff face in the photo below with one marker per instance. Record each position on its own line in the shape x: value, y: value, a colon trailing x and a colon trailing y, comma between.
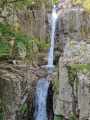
x: 73, y: 95
x: 18, y: 78
x: 72, y: 24
x: 74, y: 81
x: 36, y: 24
x: 33, y: 23
x: 72, y: 50
x: 12, y: 89
x: 17, y: 86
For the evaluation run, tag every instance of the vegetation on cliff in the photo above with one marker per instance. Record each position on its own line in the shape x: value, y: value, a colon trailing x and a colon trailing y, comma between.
x: 85, y: 3
x: 21, y: 41
x: 71, y: 75
x: 56, y: 83
x: 21, y: 3
x: 72, y: 71
x: 2, y: 108
x: 61, y: 117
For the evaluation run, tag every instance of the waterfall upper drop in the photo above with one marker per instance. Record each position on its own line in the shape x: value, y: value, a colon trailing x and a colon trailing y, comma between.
x: 51, y: 52
x: 40, y: 112
x: 53, y: 27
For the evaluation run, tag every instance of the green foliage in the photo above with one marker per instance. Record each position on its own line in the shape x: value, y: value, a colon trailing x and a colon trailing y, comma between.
x: 73, y: 0
x: 42, y: 54
x: 21, y: 4
x: 73, y: 117
x: 58, y: 118
x: 30, y: 92
x: 2, y: 108
x: 72, y: 71
x: 40, y: 2
x: 72, y: 74
x: 56, y: 83
x: 4, y: 49
x: 53, y: 1
x: 72, y: 43
x: 21, y: 41
x: 24, y: 108
x: 85, y: 3
x: 82, y: 66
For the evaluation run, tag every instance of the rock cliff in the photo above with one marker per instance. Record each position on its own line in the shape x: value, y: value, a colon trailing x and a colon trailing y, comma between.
x: 12, y: 89
x: 72, y: 24
x: 73, y: 45
x: 72, y: 50
x: 74, y: 81
x: 17, y: 86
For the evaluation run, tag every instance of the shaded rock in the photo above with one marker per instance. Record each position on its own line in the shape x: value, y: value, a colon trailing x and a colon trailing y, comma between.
x: 1, y: 20
x: 33, y: 24
x: 12, y: 87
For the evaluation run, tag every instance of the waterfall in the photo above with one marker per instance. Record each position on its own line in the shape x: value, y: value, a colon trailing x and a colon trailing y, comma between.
x: 40, y: 112
x: 54, y: 17
x: 42, y: 99
x: 53, y: 26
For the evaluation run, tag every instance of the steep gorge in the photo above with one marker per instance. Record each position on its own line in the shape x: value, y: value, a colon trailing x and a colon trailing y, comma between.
x: 72, y: 50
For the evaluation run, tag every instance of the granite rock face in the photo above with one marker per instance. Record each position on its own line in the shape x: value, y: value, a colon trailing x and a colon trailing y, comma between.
x: 74, y: 99
x: 72, y: 17
x: 12, y: 88
x: 72, y: 24
x: 36, y: 24
x: 33, y: 24
x: 17, y: 87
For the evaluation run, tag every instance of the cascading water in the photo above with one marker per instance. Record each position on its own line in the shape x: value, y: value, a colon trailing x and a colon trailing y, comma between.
x: 40, y: 112
x: 51, y: 52
x: 43, y: 103
x: 54, y: 17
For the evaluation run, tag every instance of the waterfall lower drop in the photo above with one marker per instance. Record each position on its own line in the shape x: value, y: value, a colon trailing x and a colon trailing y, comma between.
x: 40, y: 112
x: 51, y: 52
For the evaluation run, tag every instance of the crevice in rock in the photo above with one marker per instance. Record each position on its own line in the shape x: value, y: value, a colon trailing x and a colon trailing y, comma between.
x: 50, y: 113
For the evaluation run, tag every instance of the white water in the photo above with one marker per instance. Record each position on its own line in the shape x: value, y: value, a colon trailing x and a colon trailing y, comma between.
x: 40, y: 100
x: 51, y: 52
x: 40, y: 112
